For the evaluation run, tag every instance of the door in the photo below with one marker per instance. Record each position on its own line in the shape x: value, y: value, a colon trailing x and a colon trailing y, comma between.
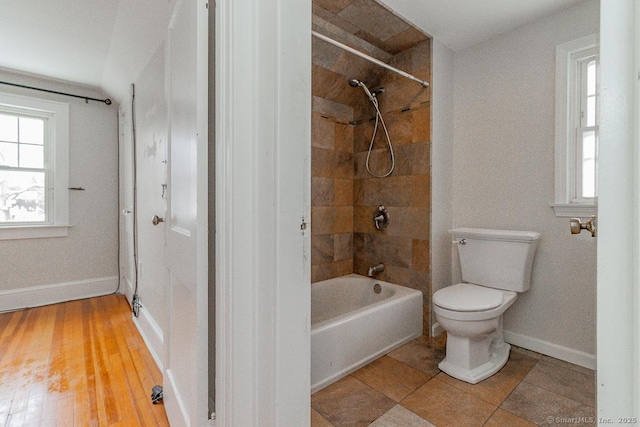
x: 185, y: 377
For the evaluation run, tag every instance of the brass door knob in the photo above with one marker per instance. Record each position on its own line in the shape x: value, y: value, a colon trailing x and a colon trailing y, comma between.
x: 577, y: 226
x: 156, y: 220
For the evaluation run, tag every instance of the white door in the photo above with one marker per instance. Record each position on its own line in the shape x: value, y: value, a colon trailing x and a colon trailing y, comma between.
x: 185, y: 360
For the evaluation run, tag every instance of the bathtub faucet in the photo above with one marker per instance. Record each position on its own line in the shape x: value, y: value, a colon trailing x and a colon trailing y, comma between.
x: 379, y: 268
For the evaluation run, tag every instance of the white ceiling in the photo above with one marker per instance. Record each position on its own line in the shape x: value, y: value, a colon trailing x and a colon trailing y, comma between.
x: 459, y: 24
x: 101, y: 43
x: 96, y: 42
x: 65, y: 39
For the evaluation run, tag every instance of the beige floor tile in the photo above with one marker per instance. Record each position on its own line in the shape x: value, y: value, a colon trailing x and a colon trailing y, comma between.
x: 520, y: 364
x: 318, y: 420
x: 349, y: 402
x: 575, y: 384
x: 445, y: 405
x: 399, y: 416
x: 391, y: 377
x: 524, y: 351
x: 502, y: 418
x: 542, y: 406
x: 421, y: 355
x: 568, y: 365
x: 439, y: 342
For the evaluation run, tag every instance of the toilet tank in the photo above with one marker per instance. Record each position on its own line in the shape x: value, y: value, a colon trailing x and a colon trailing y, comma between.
x: 500, y: 259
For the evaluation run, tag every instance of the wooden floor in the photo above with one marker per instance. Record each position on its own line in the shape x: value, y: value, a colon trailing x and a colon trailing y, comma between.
x: 81, y: 363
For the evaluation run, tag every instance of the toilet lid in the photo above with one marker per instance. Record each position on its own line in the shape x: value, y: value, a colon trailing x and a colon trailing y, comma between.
x: 468, y: 297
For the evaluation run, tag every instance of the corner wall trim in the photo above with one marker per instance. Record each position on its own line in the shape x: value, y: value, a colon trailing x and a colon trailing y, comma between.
x: 567, y: 354
x: 36, y: 296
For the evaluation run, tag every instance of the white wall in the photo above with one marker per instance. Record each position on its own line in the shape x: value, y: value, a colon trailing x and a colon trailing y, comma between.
x: 503, y: 166
x: 442, y: 86
x: 85, y: 262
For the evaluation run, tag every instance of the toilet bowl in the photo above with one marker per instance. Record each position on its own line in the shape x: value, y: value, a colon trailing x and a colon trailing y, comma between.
x: 496, y: 266
x: 475, y: 346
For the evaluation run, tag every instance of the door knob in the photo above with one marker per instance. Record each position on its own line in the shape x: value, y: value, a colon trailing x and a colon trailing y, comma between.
x: 156, y: 220
x: 577, y: 226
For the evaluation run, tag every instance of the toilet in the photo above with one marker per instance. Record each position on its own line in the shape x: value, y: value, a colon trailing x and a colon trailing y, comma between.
x: 496, y: 266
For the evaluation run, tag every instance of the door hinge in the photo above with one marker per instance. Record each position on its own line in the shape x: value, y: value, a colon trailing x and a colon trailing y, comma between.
x: 303, y: 225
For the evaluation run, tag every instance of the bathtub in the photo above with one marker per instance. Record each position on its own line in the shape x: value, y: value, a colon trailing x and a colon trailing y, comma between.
x: 351, y: 325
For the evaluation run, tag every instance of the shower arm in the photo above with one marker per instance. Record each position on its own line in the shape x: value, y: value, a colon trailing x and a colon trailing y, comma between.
x: 368, y: 58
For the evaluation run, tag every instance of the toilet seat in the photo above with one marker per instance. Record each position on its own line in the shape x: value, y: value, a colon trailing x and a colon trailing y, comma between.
x: 467, y: 297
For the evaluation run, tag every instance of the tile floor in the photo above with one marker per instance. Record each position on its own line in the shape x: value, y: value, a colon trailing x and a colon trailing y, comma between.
x: 406, y: 388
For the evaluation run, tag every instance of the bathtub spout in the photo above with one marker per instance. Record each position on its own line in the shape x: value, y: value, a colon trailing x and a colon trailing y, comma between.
x: 379, y: 268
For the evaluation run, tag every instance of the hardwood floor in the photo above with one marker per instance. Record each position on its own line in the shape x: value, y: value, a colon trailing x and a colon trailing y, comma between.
x: 81, y: 363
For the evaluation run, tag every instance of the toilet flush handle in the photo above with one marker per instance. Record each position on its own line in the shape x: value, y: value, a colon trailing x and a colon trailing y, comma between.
x: 460, y: 241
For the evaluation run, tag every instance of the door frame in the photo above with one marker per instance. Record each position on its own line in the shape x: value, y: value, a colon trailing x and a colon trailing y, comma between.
x: 262, y: 139
x: 241, y: 222
x: 618, y: 376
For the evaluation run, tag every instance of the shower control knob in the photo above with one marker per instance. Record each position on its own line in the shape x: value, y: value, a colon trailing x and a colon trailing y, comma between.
x: 156, y: 220
x: 381, y: 218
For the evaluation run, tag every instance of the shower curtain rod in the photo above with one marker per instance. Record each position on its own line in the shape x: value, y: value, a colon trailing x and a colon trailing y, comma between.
x: 368, y: 58
x: 86, y: 98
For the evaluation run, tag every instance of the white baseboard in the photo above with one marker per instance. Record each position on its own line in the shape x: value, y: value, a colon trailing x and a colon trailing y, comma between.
x: 151, y: 334
x: 436, y: 329
x: 567, y: 354
x: 36, y: 296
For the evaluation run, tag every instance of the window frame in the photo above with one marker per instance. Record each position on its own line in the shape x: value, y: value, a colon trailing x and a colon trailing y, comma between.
x: 568, y: 55
x: 56, y: 162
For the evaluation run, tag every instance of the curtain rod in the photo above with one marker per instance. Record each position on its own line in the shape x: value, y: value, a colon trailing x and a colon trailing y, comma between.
x: 369, y: 58
x: 107, y: 101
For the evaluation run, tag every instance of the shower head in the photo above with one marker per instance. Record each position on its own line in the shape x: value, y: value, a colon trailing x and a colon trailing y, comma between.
x: 356, y: 83
x: 370, y: 95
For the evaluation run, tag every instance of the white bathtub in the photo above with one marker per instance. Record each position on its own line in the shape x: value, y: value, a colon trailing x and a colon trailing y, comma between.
x: 351, y: 325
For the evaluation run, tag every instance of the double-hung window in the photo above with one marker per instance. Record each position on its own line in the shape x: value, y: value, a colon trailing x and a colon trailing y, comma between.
x: 33, y: 167
x: 577, y: 93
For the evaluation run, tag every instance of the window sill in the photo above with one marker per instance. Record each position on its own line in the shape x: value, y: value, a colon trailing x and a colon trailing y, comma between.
x: 574, y: 210
x: 33, y: 232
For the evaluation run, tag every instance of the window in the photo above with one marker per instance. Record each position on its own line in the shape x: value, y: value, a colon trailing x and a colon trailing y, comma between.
x: 577, y: 92
x: 33, y: 167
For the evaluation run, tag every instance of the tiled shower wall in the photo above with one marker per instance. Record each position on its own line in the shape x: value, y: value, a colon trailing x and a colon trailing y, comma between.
x: 345, y: 196
x: 404, y: 246
x: 332, y: 171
